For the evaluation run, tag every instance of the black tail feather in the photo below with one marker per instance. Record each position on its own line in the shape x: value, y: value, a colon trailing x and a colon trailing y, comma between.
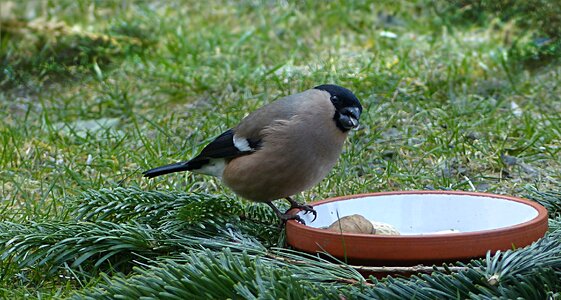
x: 177, y: 167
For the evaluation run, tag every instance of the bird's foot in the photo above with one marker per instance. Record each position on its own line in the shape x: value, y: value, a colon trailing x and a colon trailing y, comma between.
x: 285, y: 217
x: 306, y: 208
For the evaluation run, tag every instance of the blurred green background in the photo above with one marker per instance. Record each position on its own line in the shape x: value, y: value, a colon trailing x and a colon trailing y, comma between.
x: 457, y: 94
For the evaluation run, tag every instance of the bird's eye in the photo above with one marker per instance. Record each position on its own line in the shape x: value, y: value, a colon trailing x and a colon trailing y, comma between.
x: 334, y: 99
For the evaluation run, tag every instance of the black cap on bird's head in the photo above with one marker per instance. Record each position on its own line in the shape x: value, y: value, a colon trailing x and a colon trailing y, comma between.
x: 347, y: 106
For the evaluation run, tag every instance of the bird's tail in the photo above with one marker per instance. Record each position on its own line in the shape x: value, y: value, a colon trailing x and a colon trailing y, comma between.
x: 177, y: 167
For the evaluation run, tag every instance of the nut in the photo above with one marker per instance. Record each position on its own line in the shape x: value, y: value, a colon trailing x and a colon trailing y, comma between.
x: 352, y: 224
x: 384, y: 228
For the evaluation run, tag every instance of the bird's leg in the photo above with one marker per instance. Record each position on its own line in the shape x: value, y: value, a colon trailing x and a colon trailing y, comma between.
x: 304, y: 207
x: 285, y: 217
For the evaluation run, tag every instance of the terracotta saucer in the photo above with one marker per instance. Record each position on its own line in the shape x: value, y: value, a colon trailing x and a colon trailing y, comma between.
x: 434, y: 226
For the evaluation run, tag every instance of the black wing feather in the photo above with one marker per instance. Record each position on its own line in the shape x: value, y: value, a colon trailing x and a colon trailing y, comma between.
x: 221, y: 147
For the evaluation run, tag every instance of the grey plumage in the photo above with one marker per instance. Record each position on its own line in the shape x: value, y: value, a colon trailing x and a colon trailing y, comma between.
x: 282, y: 148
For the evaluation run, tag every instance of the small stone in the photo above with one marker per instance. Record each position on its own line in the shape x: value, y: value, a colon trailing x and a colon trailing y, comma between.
x: 509, y: 160
x: 472, y: 135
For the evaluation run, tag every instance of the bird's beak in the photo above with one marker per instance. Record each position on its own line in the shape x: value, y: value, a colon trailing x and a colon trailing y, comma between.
x: 354, y: 122
x: 349, y: 117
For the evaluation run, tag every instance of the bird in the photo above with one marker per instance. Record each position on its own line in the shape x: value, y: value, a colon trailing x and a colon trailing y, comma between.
x: 281, y: 149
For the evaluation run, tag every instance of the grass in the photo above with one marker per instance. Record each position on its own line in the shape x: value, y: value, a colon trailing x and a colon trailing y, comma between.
x: 94, y: 93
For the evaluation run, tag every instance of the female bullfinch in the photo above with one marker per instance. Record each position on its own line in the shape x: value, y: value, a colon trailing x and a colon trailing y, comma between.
x: 281, y: 149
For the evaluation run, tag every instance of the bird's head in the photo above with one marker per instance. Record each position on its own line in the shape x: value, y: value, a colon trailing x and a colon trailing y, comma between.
x: 347, y: 106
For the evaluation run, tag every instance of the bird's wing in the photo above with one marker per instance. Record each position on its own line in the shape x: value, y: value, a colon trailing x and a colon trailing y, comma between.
x: 221, y: 147
x: 246, y: 138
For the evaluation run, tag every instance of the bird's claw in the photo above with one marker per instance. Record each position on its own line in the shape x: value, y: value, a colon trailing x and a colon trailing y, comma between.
x: 307, y: 209
x: 286, y: 217
x: 293, y: 204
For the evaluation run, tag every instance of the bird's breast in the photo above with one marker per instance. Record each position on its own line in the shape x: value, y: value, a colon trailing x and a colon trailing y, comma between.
x: 293, y: 158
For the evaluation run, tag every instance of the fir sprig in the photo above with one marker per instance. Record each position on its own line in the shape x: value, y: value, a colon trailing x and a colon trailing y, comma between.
x: 211, y: 275
x: 533, y: 270
x: 177, y: 211
x: 154, y: 207
x: 107, y: 245
x: 226, y: 273
x: 550, y: 199
x: 227, y: 258
x: 51, y: 244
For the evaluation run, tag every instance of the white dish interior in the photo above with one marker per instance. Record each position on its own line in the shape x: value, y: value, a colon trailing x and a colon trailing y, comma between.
x: 414, y: 214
